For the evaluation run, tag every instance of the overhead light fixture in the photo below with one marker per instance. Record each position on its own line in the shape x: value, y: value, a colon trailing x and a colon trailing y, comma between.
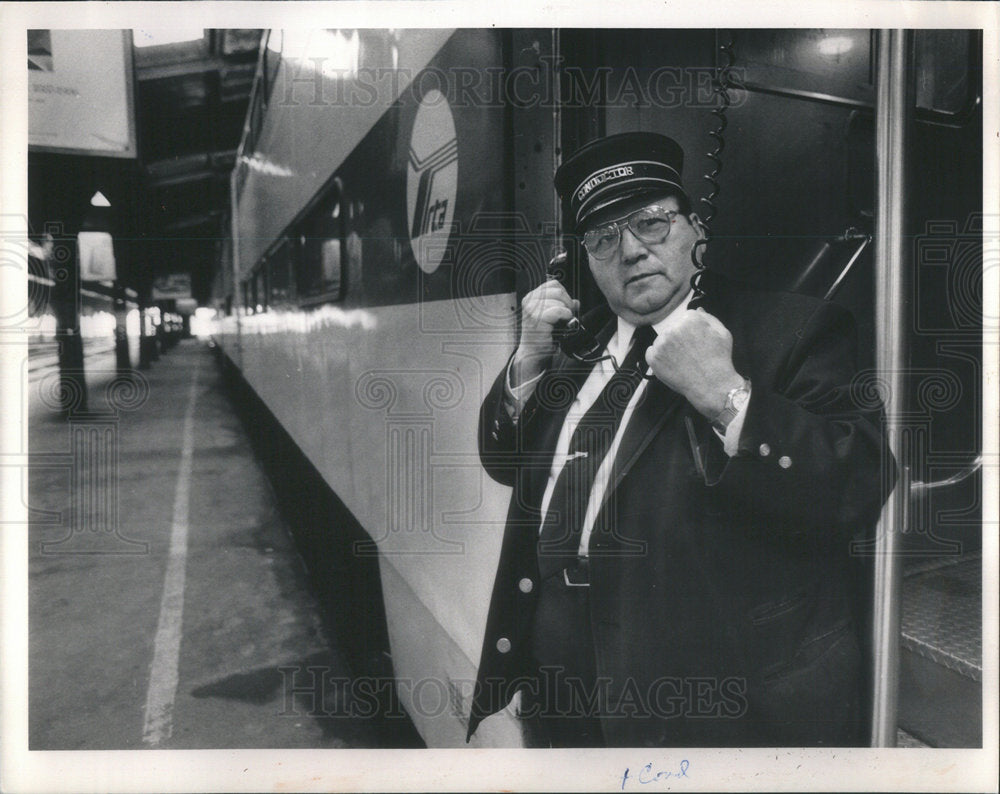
x: 836, y: 45
x: 158, y: 37
x: 98, y: 200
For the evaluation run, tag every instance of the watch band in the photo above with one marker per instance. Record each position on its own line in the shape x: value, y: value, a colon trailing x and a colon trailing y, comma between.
x: 731, y: 409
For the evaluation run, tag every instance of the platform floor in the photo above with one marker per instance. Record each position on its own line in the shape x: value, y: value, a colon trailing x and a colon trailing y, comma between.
x: 168, y: 606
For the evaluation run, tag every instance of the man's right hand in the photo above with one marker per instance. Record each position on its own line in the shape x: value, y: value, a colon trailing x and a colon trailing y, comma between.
x: 541, y: 310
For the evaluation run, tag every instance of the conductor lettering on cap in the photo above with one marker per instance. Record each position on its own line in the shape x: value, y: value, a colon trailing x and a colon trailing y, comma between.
x: 611, y: 173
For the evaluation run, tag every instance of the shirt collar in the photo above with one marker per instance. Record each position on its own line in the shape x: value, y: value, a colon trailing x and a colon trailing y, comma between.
x: 619, y: 344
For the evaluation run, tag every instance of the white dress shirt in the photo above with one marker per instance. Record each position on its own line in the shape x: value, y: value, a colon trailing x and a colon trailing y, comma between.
x: 602, y: 372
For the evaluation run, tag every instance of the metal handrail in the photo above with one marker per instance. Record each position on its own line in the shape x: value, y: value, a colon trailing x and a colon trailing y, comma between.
x: 848, y: 236
x: 920, y: 487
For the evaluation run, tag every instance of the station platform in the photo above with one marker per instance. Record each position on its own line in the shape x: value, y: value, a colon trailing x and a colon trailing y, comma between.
x: 169, y: 607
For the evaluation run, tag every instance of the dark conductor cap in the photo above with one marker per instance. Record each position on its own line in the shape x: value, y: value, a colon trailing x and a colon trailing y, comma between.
x: 619, y: 168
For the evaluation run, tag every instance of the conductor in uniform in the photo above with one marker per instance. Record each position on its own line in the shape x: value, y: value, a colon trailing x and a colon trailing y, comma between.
x: 676, y: 566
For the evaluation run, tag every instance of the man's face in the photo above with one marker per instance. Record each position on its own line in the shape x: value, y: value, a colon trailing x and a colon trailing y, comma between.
x: 644, y: 282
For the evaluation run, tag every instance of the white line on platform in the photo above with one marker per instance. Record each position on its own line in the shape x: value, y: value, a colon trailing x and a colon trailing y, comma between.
x: 166, y: 650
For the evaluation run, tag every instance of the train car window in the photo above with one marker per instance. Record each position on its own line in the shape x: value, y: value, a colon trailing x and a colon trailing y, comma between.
x: 322, y: 251
x: 280, y: 286
x: 943, y: 59
x: 255, y: 291
x: 330, y: 254
x: 260, y: 289
x: 824, y: 64
x: 838, y: 66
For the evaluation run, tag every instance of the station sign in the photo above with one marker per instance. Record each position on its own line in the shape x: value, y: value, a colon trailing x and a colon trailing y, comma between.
x: 80, y: 92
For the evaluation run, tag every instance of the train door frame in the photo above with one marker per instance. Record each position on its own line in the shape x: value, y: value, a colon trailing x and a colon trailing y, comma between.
x: 892, y: 121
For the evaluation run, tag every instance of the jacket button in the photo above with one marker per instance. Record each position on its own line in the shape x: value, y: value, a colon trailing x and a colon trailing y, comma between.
x: 503, y: 645
x: 526, y: 585
x: 765, y: 450
x: 784, y: 461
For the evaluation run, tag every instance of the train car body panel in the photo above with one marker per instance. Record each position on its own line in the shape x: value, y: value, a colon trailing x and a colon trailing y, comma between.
x: 435, y: 676
x: 404, y: 427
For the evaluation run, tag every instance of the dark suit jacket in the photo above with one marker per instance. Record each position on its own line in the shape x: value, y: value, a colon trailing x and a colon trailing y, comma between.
x: 721, y: 600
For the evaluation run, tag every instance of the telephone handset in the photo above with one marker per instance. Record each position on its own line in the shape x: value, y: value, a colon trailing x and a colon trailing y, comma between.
x: 573, y: 339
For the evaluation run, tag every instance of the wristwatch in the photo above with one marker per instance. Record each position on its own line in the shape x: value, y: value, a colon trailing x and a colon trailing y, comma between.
x: 735, y: 402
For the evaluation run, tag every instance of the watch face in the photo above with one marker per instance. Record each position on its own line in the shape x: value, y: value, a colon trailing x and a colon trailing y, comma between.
x: 740, y: 399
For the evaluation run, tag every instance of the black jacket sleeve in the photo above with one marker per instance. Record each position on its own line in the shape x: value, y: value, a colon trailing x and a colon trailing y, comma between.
x: 812, y: 451
x: 498, y: 433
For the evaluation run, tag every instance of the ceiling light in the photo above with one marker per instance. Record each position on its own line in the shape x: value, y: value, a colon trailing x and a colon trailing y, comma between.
x: 836, y: 45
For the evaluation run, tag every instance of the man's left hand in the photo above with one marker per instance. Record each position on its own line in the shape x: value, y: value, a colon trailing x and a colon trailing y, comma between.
x: 693, y: 355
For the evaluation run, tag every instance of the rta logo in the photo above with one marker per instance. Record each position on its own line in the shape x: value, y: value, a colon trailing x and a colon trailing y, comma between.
x: 431, y: 180
x: 429, y: 217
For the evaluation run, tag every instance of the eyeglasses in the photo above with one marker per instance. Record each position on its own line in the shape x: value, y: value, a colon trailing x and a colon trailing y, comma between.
x: 650, y: 224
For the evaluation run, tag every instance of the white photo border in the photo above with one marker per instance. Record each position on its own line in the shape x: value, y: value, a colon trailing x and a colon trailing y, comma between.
x: 787, y: 769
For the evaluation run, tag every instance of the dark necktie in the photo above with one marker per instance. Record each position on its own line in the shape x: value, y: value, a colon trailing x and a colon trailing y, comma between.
x: 559, y: 538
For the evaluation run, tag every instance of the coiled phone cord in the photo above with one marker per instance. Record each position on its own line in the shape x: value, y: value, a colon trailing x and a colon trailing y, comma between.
x: 721, y: 84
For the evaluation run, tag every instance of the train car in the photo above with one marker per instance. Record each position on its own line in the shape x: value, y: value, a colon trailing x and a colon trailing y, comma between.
x: 392, y: 201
